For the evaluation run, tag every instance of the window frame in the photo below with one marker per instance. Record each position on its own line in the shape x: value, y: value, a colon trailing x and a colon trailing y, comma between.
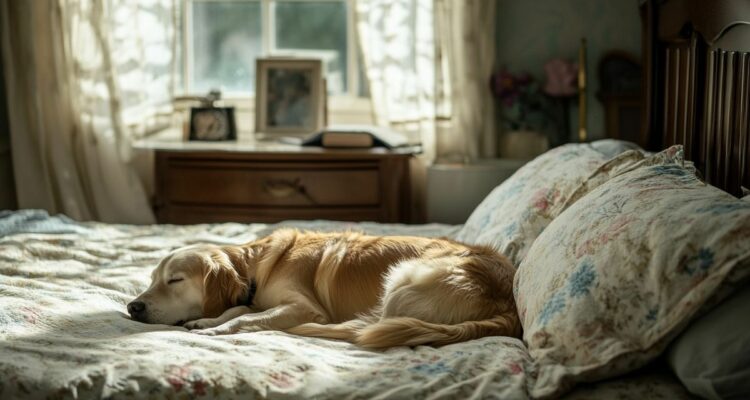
x: 350, y: 99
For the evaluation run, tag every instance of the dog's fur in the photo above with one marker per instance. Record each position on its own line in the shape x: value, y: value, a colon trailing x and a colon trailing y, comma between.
x: 377, y: 292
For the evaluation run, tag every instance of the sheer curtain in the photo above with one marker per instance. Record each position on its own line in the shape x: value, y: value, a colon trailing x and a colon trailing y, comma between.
x: 428, y: 63
x: 83, y: 77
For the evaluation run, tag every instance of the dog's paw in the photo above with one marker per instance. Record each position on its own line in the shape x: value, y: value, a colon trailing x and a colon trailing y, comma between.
x: 228, y: 328
x: 204, y: 332
x: 202, y: 323
x: 217, y: 331
x: 211, y: 329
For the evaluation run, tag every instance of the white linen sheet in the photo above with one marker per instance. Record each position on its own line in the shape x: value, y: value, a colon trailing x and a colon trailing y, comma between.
x: 64, y: 333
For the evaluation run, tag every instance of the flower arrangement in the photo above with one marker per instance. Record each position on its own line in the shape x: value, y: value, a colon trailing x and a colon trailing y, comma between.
x: 526, y: 105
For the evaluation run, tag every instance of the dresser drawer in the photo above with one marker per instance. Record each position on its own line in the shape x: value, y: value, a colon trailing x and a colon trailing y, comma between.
x: 266, y: 184
x: 203, y: 214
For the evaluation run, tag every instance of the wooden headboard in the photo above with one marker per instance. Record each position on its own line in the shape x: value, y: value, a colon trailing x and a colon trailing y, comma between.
x: 696, y: 84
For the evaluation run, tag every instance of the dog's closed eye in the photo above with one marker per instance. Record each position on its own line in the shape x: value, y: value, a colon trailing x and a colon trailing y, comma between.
x: 175, y: 280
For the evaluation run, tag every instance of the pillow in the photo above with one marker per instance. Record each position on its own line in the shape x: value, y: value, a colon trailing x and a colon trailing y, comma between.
x: 712, y: 357
x: 612, y: 147
x: 623, y: 269
x: 518, y: 210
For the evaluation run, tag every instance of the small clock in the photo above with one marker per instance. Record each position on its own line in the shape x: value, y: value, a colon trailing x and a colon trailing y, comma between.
x: 212, y: 123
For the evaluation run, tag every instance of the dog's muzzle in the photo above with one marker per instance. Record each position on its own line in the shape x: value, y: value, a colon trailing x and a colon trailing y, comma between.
x: 137, y: 310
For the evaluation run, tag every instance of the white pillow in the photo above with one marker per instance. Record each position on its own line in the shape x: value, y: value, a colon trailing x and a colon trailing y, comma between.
x: 518, y: 210
x: 712, y: 356
x: 620, y: 272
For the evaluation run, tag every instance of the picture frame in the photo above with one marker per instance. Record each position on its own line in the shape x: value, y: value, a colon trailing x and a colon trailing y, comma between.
x: 290, y: 96
x: 212, y: 124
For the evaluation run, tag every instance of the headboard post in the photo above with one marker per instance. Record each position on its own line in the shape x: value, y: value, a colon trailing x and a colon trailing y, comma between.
x: 696, y: 84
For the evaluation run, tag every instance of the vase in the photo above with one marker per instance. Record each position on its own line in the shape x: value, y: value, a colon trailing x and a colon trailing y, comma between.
x: 522, y: 144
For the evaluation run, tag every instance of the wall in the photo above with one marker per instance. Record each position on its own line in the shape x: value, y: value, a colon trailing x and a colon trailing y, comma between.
x: 455, y: 190
x: 7, y: 186
x: 531, y: 32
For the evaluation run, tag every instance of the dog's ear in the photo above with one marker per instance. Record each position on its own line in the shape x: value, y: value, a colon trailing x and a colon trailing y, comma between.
x: 223, y: 287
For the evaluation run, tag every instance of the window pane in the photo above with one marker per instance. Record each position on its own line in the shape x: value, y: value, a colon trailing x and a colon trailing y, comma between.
x: 317, y: 30
x: 226, y: 42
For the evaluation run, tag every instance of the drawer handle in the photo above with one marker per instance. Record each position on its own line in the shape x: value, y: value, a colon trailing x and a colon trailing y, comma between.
x: 283, y: 188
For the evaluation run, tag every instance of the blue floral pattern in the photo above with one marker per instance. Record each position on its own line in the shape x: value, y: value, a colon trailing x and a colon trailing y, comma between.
x: 638, y: 256
x: 700, y: 263
x: 554, y: 305
x: 724, y: 207
x: 580, y: 281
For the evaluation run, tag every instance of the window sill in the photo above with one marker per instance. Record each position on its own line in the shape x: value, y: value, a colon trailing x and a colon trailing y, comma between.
x: 341, y: 110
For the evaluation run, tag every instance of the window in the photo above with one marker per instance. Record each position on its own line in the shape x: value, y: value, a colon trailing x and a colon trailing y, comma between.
x: 222, y: 39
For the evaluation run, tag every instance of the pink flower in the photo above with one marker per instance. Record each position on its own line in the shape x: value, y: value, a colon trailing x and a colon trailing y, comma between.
x: 281, y: 379
x: 587, y: 247
x: 539, y: 200
x: 177, y: 383
x: 178, y: 376
x: 562, y: 78
x: 543, y: 198
x: 508, y: 87
x: 515, y: 369
x: 590, y: 246
x: 199, y: 387
x: 30, y: 314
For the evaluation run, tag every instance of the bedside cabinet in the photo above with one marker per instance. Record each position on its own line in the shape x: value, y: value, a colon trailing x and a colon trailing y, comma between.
x: 246, y: 181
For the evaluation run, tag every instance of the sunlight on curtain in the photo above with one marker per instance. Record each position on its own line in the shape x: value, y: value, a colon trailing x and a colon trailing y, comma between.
x: 86, y: 77
x: 124, y: 53
x: 398, y: 47
x: 428, y: 63
x: 467, y: 37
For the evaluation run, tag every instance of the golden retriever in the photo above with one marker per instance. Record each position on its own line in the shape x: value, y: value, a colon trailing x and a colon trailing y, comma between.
x: 377, y: 292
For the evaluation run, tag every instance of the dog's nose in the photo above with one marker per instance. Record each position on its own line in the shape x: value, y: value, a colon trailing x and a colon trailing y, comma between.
x: 136, y: 307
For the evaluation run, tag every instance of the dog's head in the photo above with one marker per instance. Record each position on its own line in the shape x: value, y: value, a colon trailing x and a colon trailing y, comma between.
x: 192, y: 283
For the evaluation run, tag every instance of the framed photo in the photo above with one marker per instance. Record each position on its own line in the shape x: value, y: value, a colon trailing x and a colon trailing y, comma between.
x: 212, y: 124
x: 289, y: 97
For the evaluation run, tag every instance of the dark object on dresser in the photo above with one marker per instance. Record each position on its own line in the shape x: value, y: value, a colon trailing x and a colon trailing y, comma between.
x: 212, y: 123
x: 620, y: 93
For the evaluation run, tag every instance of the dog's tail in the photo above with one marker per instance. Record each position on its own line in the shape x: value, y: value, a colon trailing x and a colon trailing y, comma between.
x: 407, y: 331
x: 344, y: 331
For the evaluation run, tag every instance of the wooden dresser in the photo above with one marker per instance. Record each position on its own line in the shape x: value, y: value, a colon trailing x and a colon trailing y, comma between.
x: 249, y: 181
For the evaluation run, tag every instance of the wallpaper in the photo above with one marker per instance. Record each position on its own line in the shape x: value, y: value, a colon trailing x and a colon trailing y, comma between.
x: 531, y: 32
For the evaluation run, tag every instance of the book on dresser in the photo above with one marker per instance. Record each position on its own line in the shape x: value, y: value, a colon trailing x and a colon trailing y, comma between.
x: 352, y: 136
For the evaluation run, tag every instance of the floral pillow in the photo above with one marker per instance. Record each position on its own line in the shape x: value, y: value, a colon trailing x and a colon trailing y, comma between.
x: 518, y: 210
x: 620, y: 272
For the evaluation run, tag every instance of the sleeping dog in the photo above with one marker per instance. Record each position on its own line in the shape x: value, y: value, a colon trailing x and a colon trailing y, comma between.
x: 377, y: 292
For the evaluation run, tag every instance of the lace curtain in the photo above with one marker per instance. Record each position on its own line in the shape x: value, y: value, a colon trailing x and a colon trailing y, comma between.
x: 428, y: 64
x: 84, y: 77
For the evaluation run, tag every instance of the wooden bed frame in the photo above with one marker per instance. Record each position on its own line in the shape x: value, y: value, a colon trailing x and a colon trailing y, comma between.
x: 696, y: 85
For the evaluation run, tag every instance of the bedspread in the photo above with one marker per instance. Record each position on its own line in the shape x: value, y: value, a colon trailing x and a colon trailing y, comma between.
x: 64, y: 332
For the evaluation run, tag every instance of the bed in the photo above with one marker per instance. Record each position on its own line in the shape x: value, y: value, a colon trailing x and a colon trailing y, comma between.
x: 593, y: 327
x: 65, y: 332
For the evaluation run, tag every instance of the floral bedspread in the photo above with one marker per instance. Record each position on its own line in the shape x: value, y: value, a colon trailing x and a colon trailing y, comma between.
x: 64, y: 333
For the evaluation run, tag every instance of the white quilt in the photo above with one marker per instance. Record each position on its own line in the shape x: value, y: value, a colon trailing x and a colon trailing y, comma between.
x: 64, y: 333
